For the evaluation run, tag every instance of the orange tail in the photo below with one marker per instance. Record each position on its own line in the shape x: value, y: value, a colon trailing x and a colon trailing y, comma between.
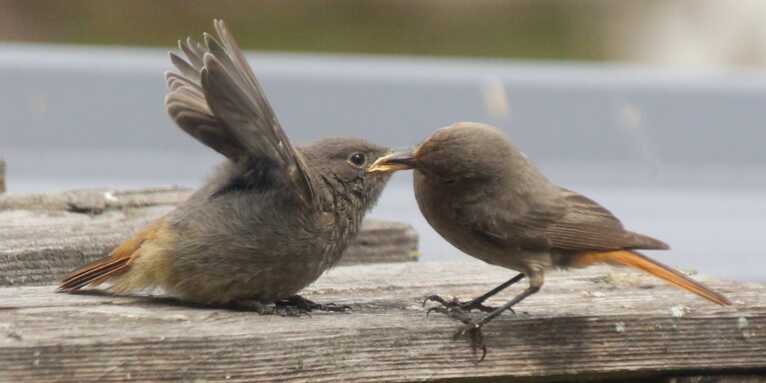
x: 641, y: 262
x: 118, y: 262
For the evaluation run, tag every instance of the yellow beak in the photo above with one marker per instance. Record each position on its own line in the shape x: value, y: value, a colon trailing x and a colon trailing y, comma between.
x: 393, y: 162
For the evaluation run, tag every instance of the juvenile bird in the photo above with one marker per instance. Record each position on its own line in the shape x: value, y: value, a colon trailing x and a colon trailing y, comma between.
x: 482, y: 195
x: 272, y: 218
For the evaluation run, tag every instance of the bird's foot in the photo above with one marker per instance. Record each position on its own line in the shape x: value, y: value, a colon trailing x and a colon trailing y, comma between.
x: 287, y: 310
x: 455, y: 313
x: 300, y: 303
x: 471, y: 329
x: 454, y: 303
x: 278, y: 308
x: 293, y: 306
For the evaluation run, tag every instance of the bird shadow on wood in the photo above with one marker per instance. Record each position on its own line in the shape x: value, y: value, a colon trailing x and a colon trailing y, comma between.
x: 169, y: 301
x: 144, y: 299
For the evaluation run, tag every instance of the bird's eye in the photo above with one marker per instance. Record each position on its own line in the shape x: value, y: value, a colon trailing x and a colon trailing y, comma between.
x: 357, y: 159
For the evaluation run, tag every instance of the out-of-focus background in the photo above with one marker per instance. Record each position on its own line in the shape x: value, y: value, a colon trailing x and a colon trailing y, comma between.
x: 654, y: 108
x: 703, y: 33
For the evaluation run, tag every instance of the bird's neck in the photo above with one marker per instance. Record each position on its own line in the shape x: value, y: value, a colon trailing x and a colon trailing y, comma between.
x: 341, y: 199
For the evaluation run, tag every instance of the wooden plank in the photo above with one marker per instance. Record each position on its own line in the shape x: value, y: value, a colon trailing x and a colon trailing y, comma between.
x: 2, y: 176
x: 718, y: 379
x: 94, y: 201
x: 590, y: 324
x: 44, y: 236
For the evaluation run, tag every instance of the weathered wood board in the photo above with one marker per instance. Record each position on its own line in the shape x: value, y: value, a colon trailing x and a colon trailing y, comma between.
x: 44, y: 236
x: 589, y: 324
x: 2, y: 176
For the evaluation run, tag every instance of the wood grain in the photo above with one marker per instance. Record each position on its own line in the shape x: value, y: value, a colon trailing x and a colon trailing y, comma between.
x: 45, y: 236
x: 2, y: 176
x: 593, y: 324
x: 741, y: 378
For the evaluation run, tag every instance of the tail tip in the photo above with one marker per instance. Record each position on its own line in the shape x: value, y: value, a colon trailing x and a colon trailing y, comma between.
x: 65, y: 287
x: 725, y: 301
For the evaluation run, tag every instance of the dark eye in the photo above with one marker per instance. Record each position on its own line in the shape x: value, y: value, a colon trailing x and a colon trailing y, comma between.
x: 357, y: 159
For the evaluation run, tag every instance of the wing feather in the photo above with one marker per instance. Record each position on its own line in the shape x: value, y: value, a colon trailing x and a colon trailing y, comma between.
x: 572, y: 222
x: 216, y: 98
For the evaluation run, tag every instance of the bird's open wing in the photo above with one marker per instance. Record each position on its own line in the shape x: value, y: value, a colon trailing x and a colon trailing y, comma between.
x: 216, y: 98
x: 573, y: 223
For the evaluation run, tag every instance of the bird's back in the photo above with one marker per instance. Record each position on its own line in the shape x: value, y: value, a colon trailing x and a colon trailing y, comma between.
x: 493, y: 220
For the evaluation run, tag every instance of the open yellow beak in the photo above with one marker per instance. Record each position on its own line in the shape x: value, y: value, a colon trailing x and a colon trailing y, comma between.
x: 393, y: 162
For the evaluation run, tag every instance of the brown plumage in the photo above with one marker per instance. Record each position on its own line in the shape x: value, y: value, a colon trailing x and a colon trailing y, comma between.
x: 484, y: 196
x: 118, y: 262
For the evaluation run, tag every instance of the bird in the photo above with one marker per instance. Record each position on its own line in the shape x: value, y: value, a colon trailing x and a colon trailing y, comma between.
x: 485, y: 197
x: 272, y: 217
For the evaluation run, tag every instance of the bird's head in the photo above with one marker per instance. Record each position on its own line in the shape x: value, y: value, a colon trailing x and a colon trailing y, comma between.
x: 461, y: 151
x: 342, y: 163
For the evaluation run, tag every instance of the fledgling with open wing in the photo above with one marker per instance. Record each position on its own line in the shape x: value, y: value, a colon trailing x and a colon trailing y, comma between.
x: 270, y: 220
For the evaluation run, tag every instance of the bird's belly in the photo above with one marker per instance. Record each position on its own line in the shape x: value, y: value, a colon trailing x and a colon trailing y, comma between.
x: 231, y: 267
x: 493, y: 253
x: 256, y: 280
x: 487, y: 251
x: 435, y: 209
x: 435, y: 205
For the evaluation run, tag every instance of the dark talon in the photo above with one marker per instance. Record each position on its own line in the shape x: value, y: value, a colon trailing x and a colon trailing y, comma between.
x: 475, y: 336
x: 436, y: 298
x: 471, y: 327
x: 305, y: 306
x: 290, y: 311
x: 476, y: 304
x: 456, y: 310
x: 438, y: 309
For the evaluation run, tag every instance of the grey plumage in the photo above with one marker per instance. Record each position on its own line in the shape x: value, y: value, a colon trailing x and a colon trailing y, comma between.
x: 270, y: 220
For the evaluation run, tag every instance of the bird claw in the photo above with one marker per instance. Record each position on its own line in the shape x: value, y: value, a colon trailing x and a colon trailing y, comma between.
x: 454, y: 313
x: 278, y: 308
x: 297, y: 303
x: 290, y: 311
x: 438, y: 299
x: 455, y: 303
x: 472, y: 330
x: 460, y: 311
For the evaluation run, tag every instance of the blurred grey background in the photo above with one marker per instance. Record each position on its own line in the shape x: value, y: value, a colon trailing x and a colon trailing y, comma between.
x: 654, y: 109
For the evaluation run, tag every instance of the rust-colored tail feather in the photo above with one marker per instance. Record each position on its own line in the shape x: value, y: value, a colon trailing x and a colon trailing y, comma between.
x: 118, y: 262
x: 638, y: 261
x: 94, y: 273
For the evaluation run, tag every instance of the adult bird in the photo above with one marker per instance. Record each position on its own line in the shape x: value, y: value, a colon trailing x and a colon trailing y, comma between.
x: 485, y: 197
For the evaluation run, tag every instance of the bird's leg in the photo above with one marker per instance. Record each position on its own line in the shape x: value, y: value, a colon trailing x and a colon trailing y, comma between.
x: 476, y: 303
x: 300, y: 303
x: 473, y: 327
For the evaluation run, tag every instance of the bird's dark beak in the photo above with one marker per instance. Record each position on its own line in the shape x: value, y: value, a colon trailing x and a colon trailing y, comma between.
x: 393, y: 162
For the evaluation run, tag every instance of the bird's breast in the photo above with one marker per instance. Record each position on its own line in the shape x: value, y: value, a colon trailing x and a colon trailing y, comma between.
x: 449, y: 213
x: 440, y: 207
